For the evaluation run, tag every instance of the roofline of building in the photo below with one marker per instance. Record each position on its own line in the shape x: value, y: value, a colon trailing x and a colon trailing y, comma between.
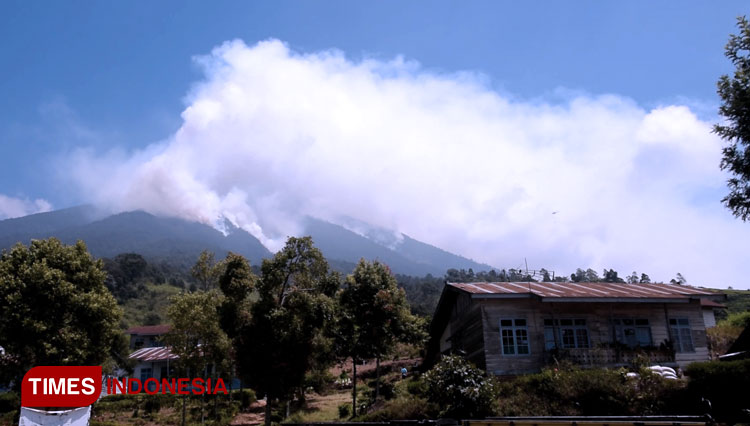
x: 553, y: 299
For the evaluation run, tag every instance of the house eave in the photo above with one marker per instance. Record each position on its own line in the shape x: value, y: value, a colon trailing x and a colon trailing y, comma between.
x: 582, y: 299
x: 613, y: 300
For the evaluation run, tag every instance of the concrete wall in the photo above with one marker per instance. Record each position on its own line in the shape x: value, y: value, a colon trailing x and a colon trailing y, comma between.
x: 598, y: 320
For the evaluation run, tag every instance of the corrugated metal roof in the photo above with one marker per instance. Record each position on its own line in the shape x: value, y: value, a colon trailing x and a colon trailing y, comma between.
x: 584, y: 290
x: 149, y: 330
x: 153, y: 354
x: 711, y: 304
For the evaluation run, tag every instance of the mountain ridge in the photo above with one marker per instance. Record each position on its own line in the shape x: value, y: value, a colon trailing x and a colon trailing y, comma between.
x: 163, y: 237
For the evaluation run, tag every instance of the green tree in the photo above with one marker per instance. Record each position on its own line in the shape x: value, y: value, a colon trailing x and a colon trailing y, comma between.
x: 678, y: 279
x: 632, y: 278
x: 591, y: 276
x: 196, y: 336
x: 611, y: 276
x: 207, y: 271
x: 734, y: 92
x: 55, y: 308
x: 237, y: 283
x: 276, y: 347
x: 645, y: 279
x: 545, y: 275
x: 374, y: 316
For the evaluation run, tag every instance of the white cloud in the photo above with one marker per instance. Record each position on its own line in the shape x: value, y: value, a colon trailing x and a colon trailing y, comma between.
x: 11, y: 207
x: 271, y: 135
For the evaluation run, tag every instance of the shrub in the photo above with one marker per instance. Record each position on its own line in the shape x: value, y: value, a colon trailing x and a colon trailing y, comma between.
x: 462, y: 389
x: 721, y: 337
x: 345, y: 410
x: 725, y: 385
x: 739, y: 319
x: 402, y: 409
x: 319, y: 380
x: 247, y: 397
x: 416, y: 387
x: 592, y: 392
x: 386, y: 389
x: 152, y: 404
x: 9, y: 401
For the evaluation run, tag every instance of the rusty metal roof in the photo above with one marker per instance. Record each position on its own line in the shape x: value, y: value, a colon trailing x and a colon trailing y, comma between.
x: 571, y: 290
x: 153, y: 354
x: 706, y: 303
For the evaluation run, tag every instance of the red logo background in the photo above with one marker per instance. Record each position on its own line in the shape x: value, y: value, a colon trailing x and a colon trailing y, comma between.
x: 40, y: 399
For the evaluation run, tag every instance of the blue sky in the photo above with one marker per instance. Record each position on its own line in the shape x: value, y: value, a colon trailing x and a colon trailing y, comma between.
x: 101, y: 80
x: 123, y: 68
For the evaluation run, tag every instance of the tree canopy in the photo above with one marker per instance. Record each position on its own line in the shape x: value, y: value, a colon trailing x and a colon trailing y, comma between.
x: 734, y: 92
x: 293, y: 310
x: 373, y: 316
x: 56, y: 309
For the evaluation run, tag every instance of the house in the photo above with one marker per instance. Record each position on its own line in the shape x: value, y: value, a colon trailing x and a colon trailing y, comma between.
x: 151, y: 356
x: 153, y: 359
x: 709, y: 308
x: 146, y: 336
x: 518, y: 327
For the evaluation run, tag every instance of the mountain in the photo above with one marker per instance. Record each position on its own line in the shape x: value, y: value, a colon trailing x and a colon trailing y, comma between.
x: 403, y: 254
x: 42, y: 225
x: 177, y: 240
x: 137, y: 232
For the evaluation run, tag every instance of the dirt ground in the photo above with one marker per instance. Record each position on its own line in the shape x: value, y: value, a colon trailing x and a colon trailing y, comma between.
x: 253, y: 416
x: 369, y: 367
x: 325, y: 407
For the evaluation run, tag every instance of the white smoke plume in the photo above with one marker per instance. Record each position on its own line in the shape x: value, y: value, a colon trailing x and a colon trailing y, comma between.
x: 11, y: 207
x: 271, y: 135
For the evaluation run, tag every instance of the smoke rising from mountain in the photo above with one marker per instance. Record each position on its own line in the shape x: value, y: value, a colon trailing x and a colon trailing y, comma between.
x: 11, y: 207
x: 271, y: 135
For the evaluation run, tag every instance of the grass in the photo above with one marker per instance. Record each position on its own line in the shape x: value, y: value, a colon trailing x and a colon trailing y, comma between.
x: 325, y: 408
x: 154, y: 300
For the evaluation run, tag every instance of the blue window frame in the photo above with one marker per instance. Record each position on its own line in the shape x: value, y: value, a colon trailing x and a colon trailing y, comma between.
x: 514, y: 337
x: 682, y: 335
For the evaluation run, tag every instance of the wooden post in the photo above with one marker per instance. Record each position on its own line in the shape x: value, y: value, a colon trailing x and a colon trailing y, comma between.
x: 267, y: 420
x: 354, y: 387
x: 377, y: 377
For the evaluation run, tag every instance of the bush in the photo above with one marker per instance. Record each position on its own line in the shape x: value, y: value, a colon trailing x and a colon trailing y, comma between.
x: 152, y: 404
x: 592, y: 392
x: 725, y: 385
x: 345, y: 410
x: 739, y: 319
x: 402, y: 409
x: 319, y: 380
x: 462, y: 389
x: 9, y: 401
x: 416, y: 387
x: 386, y: 390
x: 721, y: 337
x: 247, y: 397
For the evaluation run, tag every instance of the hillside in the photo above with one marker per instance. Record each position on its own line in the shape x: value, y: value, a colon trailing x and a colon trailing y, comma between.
x: 179, y: 241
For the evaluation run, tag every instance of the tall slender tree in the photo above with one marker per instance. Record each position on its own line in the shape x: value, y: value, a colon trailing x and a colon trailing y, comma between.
x: 207, y: 271
x: 374, y: 316
x: 276, y: 347
x: 196, y: 337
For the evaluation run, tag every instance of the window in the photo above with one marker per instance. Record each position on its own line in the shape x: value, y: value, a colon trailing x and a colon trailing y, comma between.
x: 682, y: 337
x: 633, y: 332
x: 514, y: 337
x: 145, y: 374
x: 568, y: 333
